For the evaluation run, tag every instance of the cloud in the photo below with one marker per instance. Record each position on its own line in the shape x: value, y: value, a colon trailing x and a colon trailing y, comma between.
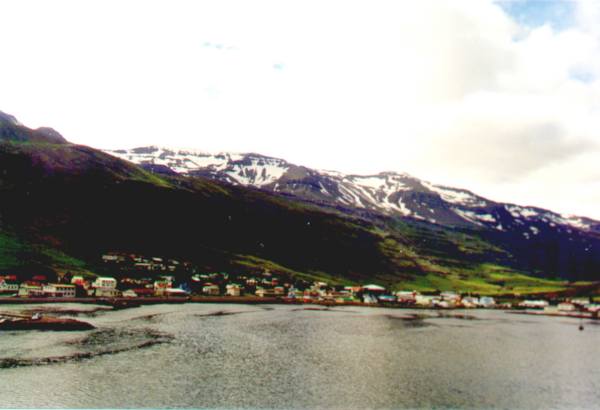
x: 469, y: 93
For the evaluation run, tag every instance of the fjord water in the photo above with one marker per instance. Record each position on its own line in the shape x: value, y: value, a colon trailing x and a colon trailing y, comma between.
x: 240, y: 356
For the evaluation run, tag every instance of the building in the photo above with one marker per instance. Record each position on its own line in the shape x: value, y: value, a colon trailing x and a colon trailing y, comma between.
x: 233, y: 290
x: 7, y: 286
x: 59, y: 290
x: 211, y: 290
x: 426, y: 301
x: 406, y: 297
x: 469, y: 302
x: 107, y: 292
x: 534, y: 304
x: 265, y: 293
x: 451, y: 297
x: 28, y: 290
x: 487, y: 302
x: 566, y: 307
x: 105, y: 282
x: 160, y: 286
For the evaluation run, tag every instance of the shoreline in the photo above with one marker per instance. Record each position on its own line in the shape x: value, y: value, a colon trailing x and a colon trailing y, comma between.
x: 127, y: 303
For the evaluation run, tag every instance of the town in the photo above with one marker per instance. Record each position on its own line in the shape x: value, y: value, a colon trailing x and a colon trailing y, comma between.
x: 142, y: 277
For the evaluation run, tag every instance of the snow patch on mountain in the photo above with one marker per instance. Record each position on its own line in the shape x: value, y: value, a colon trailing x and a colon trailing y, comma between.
x: 455, y: 196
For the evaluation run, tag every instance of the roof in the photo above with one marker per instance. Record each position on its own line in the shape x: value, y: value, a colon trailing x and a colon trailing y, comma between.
x: 373, y: 287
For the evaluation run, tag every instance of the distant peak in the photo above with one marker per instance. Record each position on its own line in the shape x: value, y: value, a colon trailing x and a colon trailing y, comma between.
x: 12, y: 130
x: 7, y: 118
x: 51, y: 134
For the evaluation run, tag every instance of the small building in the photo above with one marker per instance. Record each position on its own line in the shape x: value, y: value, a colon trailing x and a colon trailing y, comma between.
x: 487, y: 302
x: 105, y: 282
x: 566, y: 307
x: 107, y: 292
x: 28, y: 290
x: 534, y: 304
x: 160, y: 286
x: 265, y: 293
x: 406, y: 297
x: 211, y: 290
x: 7, y: 286
x: 59, y: 290
x: 450, y: 296
x: 426, y: 301
x: 233, y: 290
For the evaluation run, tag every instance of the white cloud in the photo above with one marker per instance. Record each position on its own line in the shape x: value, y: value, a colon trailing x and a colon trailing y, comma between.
x: 455, y: 92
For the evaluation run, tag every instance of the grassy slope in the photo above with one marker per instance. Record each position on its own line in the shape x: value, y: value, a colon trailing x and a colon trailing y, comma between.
x: 19, y: 256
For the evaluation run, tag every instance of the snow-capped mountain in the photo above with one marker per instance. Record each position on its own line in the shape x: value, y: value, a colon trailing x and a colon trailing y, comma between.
x: 389, y: 193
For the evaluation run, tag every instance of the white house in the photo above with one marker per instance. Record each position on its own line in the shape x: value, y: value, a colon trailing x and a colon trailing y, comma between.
x: 59, y: 290
x: 233, y: 290
x: 487, y: 302
x: 8, y: 287
x: 566, y: 307
x: 105, y: 282
x: 534, y: 304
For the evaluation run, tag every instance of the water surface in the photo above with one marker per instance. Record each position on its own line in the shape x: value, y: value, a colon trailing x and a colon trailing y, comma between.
x: 238, y: 356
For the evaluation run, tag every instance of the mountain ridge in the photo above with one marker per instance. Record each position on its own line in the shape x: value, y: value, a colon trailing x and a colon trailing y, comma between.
x: 384, y: 191
x: 249, y: 213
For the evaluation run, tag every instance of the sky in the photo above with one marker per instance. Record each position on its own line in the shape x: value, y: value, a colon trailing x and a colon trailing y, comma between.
x: 499, y: 97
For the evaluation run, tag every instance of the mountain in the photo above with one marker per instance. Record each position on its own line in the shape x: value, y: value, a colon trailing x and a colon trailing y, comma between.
x: 388, y: 193
x: 543, y: 242
x: 64, y: 205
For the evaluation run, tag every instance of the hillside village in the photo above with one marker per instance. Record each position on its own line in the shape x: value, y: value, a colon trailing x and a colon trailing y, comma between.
x: 140, y: 276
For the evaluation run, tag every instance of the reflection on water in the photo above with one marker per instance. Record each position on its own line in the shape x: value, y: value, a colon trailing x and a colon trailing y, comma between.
x: 236, y: 356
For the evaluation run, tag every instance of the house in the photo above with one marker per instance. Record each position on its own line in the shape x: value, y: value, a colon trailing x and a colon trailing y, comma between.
x: 160, y: 286
x: 110, y: 258
x: 211, y: 290
x: 487, y: 302
x: 566, y: 307
x: 107, y: 292
x: 29, y: 289
x: 426, y: 301
x: 406, y: 297
x: 105, y: 282
x: 534, y: 304
x: 451, y: 297
x: 105, y: 287
x: 233, y: 290
x: 59, y: 290
x: 7, y: 286
x: 265, y: 293
x: 469, y: 302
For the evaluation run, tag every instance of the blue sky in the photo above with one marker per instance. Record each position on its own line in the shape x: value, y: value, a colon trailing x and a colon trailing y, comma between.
x: 535, y: 13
